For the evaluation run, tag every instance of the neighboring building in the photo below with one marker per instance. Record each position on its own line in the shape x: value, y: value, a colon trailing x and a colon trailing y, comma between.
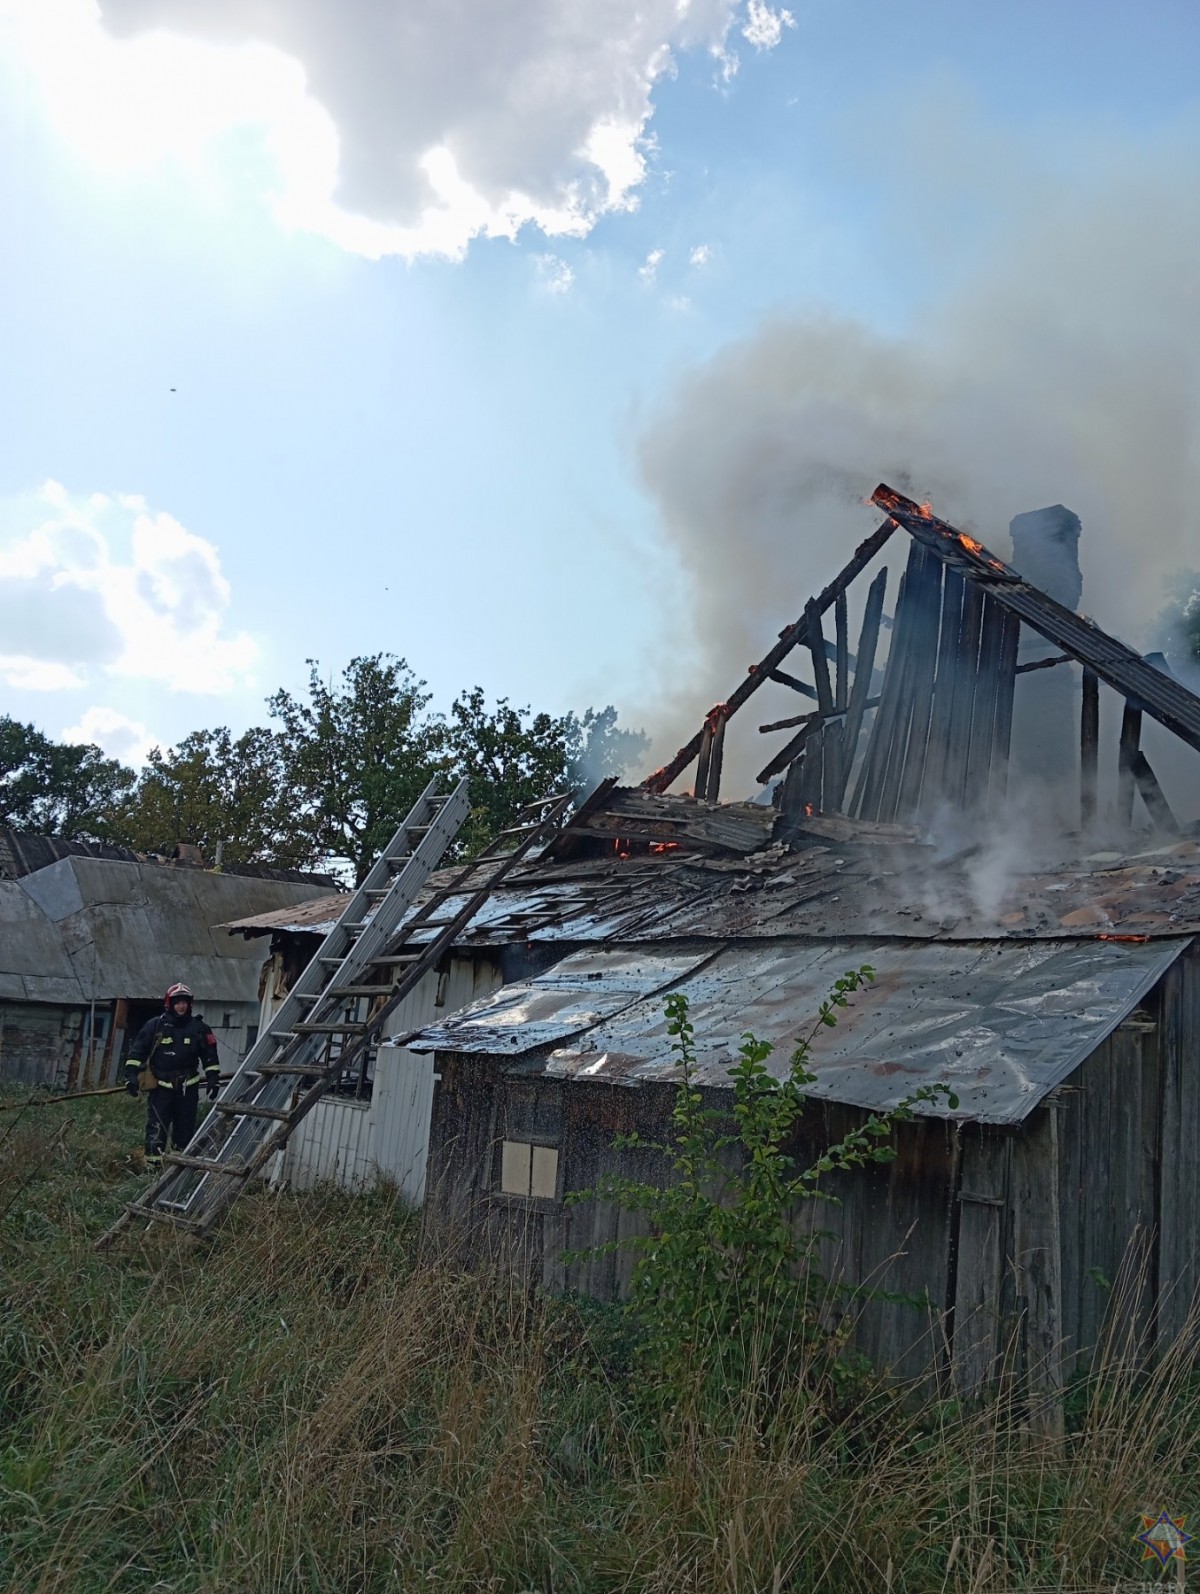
x: 90, y: 938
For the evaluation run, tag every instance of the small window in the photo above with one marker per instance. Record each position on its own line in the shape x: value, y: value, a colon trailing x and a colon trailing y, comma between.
x: 226, y: 1020
x: 527, y: 1170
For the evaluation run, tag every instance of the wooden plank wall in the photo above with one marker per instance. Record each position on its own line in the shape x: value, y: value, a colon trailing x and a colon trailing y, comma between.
x: 942, y: 729
x: 1077, y: 1229
x: 1108, y: 1139
x: 1178, y: 1011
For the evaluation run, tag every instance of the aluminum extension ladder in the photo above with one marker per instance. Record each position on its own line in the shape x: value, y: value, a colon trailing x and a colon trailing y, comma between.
x: 372, y: 958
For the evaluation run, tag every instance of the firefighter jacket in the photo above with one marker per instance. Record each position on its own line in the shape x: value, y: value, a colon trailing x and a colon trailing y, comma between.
x: 177, y: 1050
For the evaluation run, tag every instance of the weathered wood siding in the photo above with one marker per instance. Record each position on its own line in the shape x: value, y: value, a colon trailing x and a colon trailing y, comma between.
x: 1178, y: 1014
x: 888, y: 1228
x: 1031, y: 1245
x: 38, y: 1042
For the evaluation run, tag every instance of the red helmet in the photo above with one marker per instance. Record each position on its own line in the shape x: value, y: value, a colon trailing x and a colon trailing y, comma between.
x: 176, y: 993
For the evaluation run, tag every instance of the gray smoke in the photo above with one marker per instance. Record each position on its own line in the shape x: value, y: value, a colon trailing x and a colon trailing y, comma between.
x: 1063, y: 368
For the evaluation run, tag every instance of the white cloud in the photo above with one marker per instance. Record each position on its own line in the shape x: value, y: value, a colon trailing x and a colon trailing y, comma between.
x: 115, y: 734
x: 400, y: 127
x: 106, y: 587
x: 648, y: 270
x: 554, y: 274
x: 763, y: 28
x: 700, y: 255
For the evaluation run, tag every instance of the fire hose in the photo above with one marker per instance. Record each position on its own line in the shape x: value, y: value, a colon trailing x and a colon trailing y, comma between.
x: 76, y: 1095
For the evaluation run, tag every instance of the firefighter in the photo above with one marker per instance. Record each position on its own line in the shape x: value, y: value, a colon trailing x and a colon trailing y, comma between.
x: 176, y: 1049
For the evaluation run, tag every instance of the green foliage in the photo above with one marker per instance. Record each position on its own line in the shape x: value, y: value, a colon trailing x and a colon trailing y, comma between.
x: 356, y: 754
x: 58, y: 788
x: 513, y: 756
x: 212, y: 788
x: 317, y: 1400
x: 726, y: 1285
x: 329, y: 782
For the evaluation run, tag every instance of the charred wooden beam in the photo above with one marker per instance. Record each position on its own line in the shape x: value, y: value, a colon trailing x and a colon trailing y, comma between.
x: 1153, y: 795
x: 796, y: 684
x: 945, y: 673
x: 700, y: 785
x: 962, y: 701
x: 841, y: 657
x: 789, y: 751
x: 923, y: 651
x: 868, y: 793
x: 815, y: 714
x: 812, y: 768
x: 1131, y: 735
x: 1089, y: 749
x: 1164, y: 698
x: 1010, y: 639
x: 987, y: 683
x: 830, y: 736
x: 1044, y: 664
x: 716, y: 757
x: 864, y: 670
x: 788, y: 639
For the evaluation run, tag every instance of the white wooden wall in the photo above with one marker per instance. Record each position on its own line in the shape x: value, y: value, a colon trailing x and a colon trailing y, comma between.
x: 354, y: 1144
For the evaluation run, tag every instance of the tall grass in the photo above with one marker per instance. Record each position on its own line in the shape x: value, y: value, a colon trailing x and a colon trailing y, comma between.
x: 313, y: 1403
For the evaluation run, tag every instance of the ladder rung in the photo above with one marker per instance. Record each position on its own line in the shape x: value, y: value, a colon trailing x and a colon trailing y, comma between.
x: 248, y: 1110
x: 399, y: 861
x: 309, y: 1070
x: 136, y: 1210
x: 348, y: 1027
x: 329, y: 958
x: 397, y: 957
x: 235, y: 1170
x: 361, y: 990
x: 378, y: 891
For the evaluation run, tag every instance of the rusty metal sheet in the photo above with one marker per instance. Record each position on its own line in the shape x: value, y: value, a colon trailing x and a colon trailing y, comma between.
x: 1000, y: 1023
x: 573, y: 996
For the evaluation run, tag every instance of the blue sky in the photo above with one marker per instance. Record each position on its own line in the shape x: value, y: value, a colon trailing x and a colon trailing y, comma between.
x: 599, y: 459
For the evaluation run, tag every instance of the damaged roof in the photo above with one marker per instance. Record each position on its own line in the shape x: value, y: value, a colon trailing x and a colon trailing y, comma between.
x: 874, y: 881
x: 1001, y: 1025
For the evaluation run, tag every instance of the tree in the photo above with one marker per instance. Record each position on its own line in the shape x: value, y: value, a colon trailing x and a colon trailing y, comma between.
x: 58, y: 788
x: 512, y: 756
x: 357, y: 755
x: 212, y: 789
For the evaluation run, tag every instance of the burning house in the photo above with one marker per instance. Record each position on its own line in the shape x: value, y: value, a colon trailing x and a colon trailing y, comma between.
x: 1048, y: 976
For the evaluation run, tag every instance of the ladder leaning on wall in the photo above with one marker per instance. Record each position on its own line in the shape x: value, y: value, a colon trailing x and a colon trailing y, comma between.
x: 372, y: 958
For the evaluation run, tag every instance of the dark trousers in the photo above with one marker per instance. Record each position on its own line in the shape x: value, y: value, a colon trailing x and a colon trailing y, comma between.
x: 170, y: 1112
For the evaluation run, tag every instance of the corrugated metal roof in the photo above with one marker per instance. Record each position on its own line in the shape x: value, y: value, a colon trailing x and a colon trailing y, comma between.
x: 573, y: 996
x: 1002, y: 1024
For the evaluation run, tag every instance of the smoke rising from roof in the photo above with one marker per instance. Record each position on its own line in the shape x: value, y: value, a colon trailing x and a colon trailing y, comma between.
x: 1063, y: 366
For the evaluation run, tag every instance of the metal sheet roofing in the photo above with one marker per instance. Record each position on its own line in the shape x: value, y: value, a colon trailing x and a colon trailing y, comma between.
x: 573, y: 996
x: 1000, y: 1023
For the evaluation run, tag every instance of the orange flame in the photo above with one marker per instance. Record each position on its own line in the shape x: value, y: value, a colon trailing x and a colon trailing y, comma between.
x: 1122, y: 938
x: 664, y: 846
x: 969, y: 543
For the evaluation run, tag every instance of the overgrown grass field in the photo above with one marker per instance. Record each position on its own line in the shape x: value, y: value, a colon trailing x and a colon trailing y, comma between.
x: 311, y: 1402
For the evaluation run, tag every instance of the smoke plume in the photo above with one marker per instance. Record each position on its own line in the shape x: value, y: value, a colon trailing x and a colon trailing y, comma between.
x: 1061, y: 365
